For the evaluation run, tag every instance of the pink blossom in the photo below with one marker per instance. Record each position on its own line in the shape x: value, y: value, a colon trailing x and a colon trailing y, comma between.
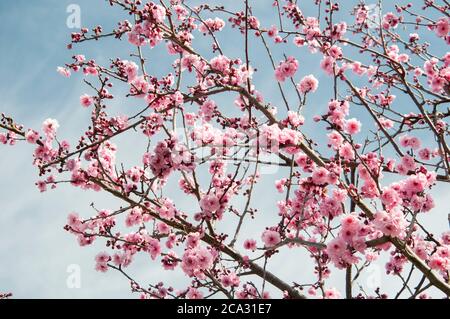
x: 295, y: 119
x: 273, y: 31
x: 395, y: 264
x: 390, y: 198
x: 339, y: 30
x: 163, y: 228
x: 312, y: 291
x: 408, y: 163
x: 352, y: 126
x: 196, y: 260
x: 414, y: 142
x: 50, y: 126
x: 102, y: 267
x: 158, y: 12
x: 346, y: 151
x: 42, y: 186
x: 350, y: 222
x: 286, y: 69
x: 390, y: 20
x: 437, y: 84
x: 131, y: 70
x: 90, y: 70
x: 139, y: 86
x: 415, y: 184
x: 335, y: 52
x: 207, y: 109
x: 336, y: 249
x: 193, y: 240
x: 32, y: 136
x: 327, y: 64
x: 210, y: 203
x: 361, y: 14
x: 63, y: 71
x: 134, y: 217
x: 299, y: 41
x: 270, y: 238
x: 230, y: 280
x: 3, y: 138
x: 279, y: 184
x: 332, y: 293
x: 154, y: 247
x: 410, y: 141
x: 442, y: 27
x: 212, y: 25
x: 80, y: 58
x: 220, y: 63
x: 320, y: 176
x: 253, y: 22
x: 446, y: 238
x: 86, y: 100
x: 194, y: 294
x: 440, y: 260
x: 386, y: 100
x: 167, y: 209
x: 102, y: 257
x: 308, y: 84
x: 425, y: 154
x: 250, y: 244
x: 311, y: 28
x: 413, y: 37
x: 335, y: 140
x: 357, y: 69
x: 170, y: 261
x: 391, y: 223
x: 330, y: 207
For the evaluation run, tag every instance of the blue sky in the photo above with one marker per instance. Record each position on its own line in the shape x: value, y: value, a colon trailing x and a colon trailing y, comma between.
x: 35, y: 251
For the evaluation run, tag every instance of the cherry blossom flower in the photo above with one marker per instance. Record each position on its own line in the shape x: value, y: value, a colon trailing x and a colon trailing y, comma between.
x: 308, y: 84
x: 270, y: 238
x: 194, y: 294
x: 328, y: 65
x: 352, y: 126
x: 211, y: 25
x: 50, y: 126
x: 286, y: 69
x: 332, y: 293
x: 390, y: 20
x: 391, y: 223
x: 442, y: 27
x: 31, y: 136
x: 346, y: 151
x: 86, y: 100
x: 63, y: 71
x: 130, y: 69
x: 250, y: 244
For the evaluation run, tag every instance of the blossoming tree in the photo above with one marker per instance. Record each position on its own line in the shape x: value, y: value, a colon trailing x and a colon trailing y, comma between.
x: 356, y: 194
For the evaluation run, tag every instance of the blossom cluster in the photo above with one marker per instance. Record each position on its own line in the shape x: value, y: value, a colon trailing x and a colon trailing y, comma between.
x: 206, y: 125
